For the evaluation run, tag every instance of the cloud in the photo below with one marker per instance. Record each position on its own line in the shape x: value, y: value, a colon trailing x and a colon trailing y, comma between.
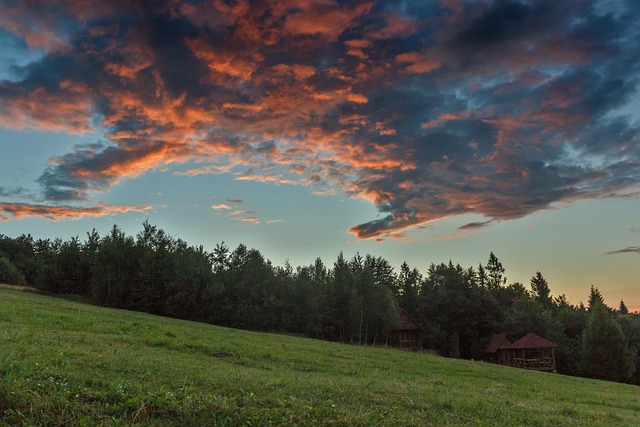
x: 416, y: 62
x: 630, y: 249
x: 13, y: 191
x: 245, y: 216
x: 206, y: 170
x: 474, y: 225
x: 322, y: 18
x: 63, y: 212
x: 251, y: 219
x: 250, y: 175
x: 428, y: 111
x: 221, y: 206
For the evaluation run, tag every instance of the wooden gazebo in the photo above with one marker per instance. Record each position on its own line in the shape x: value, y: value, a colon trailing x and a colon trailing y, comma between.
x: 407, y: 333
x: 529, y: 352
x: 534, y: 352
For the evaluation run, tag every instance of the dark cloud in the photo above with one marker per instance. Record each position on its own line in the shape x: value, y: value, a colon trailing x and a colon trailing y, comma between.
x: 631, y: 249
x: 474, y: 225
x: 503, y: 22
x: 500, y: 108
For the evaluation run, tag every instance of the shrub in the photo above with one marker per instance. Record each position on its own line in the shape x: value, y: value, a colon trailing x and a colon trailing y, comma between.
x: 9, y: 274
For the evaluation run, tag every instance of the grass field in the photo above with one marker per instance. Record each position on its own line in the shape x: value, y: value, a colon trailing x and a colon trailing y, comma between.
x: 67, y: 363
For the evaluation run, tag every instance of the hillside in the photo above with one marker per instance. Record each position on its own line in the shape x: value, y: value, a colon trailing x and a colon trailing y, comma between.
x: 63, y: 362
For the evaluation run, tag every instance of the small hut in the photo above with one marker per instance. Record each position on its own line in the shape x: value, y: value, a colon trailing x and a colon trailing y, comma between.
x: 534, y: 352
x: 407, y: 333
x: 499, y: 351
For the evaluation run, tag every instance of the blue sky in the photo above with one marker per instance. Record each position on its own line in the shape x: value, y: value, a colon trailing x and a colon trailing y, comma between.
x: 416, y: 131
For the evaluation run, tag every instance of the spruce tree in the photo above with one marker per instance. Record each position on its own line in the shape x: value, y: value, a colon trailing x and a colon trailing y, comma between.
x: 623, y: 308
x: 540, y: 289
x: 595, y: 297
x: 495, y: 272
x: 605, y: 350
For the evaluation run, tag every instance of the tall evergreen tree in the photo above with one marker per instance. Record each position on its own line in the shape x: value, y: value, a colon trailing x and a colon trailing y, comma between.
x: 595, y: 297
x: 540, y: 289
x: 481, y: 276
x: 220, y: 257
x: 605, y: 350
x: 495, y: 273
x: 408, y: 283
x: 623, y: 308
x: 115, y: 271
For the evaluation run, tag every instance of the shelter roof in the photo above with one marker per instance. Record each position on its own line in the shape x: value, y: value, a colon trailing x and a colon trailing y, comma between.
x: 406, y: 322
x: 532, y: 341
x: 498, y: 342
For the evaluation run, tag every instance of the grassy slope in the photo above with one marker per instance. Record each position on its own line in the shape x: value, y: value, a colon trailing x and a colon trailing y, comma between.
x: 63, y: 362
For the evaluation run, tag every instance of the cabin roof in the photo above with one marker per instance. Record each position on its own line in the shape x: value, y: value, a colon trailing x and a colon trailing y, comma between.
x: 532, y: 341
x: 406, y: 322
x: 500, y: 341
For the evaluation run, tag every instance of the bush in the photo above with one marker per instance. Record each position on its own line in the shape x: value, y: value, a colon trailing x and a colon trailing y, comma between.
x: 9, y: 274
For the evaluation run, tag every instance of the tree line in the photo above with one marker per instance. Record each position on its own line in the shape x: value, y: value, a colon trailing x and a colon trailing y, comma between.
x: 355, y: 300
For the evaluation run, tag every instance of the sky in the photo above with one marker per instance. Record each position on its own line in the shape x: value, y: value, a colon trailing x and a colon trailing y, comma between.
x: 419, y: 131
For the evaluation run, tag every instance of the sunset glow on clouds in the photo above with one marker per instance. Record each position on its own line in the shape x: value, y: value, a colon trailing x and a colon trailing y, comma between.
x: 428, y: 110
x: 61, y: 212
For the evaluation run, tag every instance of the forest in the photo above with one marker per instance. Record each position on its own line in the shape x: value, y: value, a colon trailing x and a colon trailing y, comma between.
x: 354, y: 300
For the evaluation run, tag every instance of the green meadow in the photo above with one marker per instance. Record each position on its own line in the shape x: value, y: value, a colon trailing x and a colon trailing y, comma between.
x: 67, y: 363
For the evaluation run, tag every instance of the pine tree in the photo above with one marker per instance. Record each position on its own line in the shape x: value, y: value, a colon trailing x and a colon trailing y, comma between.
x: 495, y: 272
x: 595, y: 296
x: 481, y: 276
x: 623, y: 308
x: 605, y: 350
x: 408, y: 282
x: 540, y: 289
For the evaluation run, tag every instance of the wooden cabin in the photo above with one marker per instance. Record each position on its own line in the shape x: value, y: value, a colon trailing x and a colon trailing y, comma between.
x: 407, y: 333
x: 499, y: 351
x: 529, y: 352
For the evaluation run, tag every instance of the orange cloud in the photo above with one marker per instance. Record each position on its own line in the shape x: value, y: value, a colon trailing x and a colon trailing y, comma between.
x: 357, y: 98
x: 221, y: 206
x: 325, y: 18
x: 417, y: 62
x: 446, y: 117
x: 69, y: 110
x: 251, y: 219
x: 240, y: 65
x: 57, y: 213
x: 426, y: 115
x: 31, y: 29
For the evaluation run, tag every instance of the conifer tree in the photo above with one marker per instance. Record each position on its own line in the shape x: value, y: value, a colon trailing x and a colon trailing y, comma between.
x: 605, y: 350
x: 623, y: 308
x: 595, y: 297
x: 495, y: 272
x: 540, y: 289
